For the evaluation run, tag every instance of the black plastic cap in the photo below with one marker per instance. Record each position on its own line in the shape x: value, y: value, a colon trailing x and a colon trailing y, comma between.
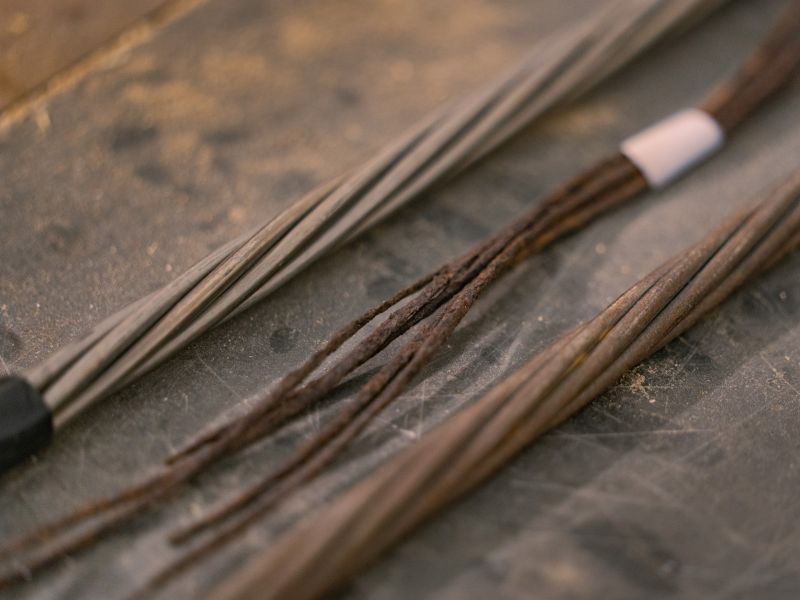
x: 26, y: 424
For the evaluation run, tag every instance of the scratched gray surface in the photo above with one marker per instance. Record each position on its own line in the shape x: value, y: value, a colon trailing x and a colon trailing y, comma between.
x: 682, y: 480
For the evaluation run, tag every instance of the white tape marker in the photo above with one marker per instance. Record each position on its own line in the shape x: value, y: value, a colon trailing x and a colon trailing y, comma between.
x: 671, y: 147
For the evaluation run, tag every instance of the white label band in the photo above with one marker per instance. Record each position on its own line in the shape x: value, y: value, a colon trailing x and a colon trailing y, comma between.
x: 671, y: 147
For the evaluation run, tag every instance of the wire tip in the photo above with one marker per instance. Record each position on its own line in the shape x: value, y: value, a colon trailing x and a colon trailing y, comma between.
x: 26, y: 424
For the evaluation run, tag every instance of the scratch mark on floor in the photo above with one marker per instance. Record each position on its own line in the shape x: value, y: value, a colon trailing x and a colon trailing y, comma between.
x: 422, y: 400
x: 612, y: 434
x: 778, y: 374
x: 757, y: 570
x: 726, y: 430
x: 587, y: 493
x: 217, y: 377
x: 412, y: 435
x: 606, y: 413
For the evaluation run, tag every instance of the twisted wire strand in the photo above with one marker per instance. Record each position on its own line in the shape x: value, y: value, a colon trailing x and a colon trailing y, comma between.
x: 325, y: 550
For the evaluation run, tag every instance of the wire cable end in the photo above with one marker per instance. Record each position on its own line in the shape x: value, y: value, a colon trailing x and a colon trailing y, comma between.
x: 26, y: 424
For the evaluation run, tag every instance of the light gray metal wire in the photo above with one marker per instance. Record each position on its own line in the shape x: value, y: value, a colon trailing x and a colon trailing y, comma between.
x: 244, y: 271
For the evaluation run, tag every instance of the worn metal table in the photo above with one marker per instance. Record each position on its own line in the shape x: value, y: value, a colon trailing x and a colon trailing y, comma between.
x: 682, y: 480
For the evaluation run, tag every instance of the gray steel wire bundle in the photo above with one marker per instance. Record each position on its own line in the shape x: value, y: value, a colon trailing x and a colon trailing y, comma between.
x: 247, y: 269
